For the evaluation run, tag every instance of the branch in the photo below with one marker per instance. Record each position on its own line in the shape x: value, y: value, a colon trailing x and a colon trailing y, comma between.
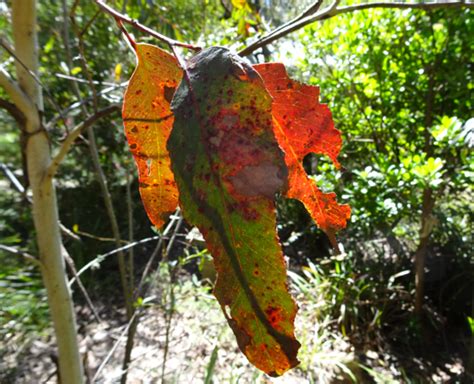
x: 82, y: 57
x: 13, y: 111
x: 18, y: 252
x: 67, y: 232
x: 125, y: 19
x: 333, y: 10
x: 11, y: 51
x: 72, y: 266
x: 399, y: 5
x: 74, y: 134
x: 19, y: 187
x: 98, y: 238
x: 78, y: 104
x: 311, y: 10
x: 19, y: 98
x: 95, y: 263
x: 14, y: 181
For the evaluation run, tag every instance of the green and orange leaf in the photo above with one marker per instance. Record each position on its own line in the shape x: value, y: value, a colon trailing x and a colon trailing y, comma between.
x: 148, y: 121
x: 302, y: 125
x: 228, y: 167
x: 231, y: 138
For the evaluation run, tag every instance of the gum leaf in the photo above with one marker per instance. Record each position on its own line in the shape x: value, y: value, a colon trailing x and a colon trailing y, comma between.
x: 148, y: 121
x: 228, y: 167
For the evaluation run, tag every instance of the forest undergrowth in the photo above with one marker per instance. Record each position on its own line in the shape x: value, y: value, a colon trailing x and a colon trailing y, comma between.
x: 351, y: 332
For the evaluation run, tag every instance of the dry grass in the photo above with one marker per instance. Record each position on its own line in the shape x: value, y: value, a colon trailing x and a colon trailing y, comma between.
x: 197, y: 328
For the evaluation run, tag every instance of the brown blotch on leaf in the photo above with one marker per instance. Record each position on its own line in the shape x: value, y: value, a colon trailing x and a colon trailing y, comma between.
x: 264, y: 179
x: 169, y: 93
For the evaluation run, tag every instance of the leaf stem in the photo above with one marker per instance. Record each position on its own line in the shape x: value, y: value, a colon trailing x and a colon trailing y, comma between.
x: 127, y: 35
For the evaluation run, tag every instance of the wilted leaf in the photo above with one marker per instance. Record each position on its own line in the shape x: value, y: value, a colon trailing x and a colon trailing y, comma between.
x: 228, y: 167
x: 148, y: 120
x: 303, y: 125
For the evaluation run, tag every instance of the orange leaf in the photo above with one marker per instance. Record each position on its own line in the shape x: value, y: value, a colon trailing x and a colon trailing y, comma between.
x: 302, y: 125
x: 148, y: 121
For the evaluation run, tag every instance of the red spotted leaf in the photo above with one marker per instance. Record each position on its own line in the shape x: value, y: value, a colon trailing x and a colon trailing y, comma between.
x: 302, y: 125
x: 148, y: 121
x: 232, y: 138
x: 228, y: 167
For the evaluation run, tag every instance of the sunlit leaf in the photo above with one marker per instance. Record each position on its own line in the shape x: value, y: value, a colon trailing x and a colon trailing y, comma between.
x: 76, y: 70
x: 148, y: 120
x: 303, y: 125
x: 228, y: 167
x: 118, y: 72
x: 239, y: 3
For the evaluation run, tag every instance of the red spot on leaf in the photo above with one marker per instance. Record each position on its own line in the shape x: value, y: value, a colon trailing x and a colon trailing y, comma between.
x: 274, y: 315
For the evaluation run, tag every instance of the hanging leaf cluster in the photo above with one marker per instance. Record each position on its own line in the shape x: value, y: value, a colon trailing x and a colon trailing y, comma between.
x: 221, y: 138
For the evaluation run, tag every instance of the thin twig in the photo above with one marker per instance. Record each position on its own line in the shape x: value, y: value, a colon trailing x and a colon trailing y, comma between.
x: 156, y: 252
x: 311, y: 10
x: 72, y: 266
x: 11, y: 51
x: 89, y: 23
x: 332, y: 10
x: 19, y: 252
x: 66, y: 231
x: 134, y: 325
x: 22, y: 190
x: 168, y: 318
x: 13, y: 111
x: 132, y: 330
x: 14, y: 181
x: 400, y: 5
x: 96, y: 262
x: 78, y: 104
x: 107, y: 198
x: 172, y: 299
x: 85, y: 65
x: 109, y: 206
x: 114, y: 348
x: 125, y: 19
x: 79, y: 80
x: 99, y: 238
x: 19, y: 98
x: 131, y: 266
x: 74, y: 134
x: 35, y: 260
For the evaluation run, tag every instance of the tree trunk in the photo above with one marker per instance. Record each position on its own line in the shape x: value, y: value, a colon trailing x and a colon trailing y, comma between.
x: 420, y: 255
x: 45, y: 211
x: 427, y: 221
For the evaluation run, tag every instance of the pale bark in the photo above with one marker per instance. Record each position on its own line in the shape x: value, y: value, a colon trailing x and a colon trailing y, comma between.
x: 28, y: 99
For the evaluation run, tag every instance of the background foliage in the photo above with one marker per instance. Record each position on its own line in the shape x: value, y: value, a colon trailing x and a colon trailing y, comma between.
x: 399, y: 85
